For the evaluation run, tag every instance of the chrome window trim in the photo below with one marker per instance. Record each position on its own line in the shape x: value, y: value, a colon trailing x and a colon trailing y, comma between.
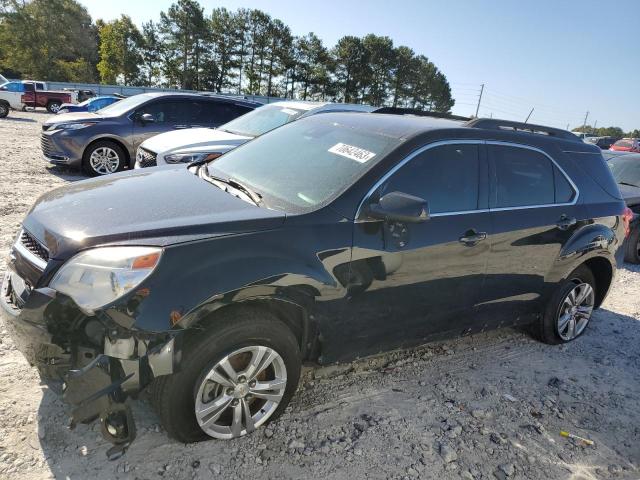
x: 424, y: 148
x: 32, y: 258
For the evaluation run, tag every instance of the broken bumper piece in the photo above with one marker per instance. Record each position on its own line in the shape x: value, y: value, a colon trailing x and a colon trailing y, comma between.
x: 94, y: 362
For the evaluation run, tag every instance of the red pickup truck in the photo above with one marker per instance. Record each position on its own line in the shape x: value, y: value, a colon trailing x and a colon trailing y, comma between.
x: 37, y: 95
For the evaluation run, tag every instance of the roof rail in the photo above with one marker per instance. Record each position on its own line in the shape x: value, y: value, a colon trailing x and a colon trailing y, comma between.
x: 415, y: 111
x: 496, y: 124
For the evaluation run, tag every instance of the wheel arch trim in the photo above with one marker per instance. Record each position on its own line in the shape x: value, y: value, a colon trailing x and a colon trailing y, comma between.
x: 292, y: 306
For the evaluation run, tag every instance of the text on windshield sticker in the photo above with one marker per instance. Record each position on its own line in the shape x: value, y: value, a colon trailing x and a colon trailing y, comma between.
x: 354, y: 153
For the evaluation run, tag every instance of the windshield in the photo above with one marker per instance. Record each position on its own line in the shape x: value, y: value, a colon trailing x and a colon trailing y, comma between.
x: 85, y: 103
x: 626, y: 169
x: 306, y: 163
x: 125, y: 105
x: 261, y: 120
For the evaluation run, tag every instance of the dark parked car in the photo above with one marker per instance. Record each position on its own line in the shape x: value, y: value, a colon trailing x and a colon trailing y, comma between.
x: 90, y: 105
x: 626, y: 171
x: 334, y: 236
x: 105, y: 142
x: 603, y: 142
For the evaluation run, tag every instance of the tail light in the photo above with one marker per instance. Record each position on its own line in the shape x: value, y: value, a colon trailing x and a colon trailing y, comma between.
x: 627, y: 216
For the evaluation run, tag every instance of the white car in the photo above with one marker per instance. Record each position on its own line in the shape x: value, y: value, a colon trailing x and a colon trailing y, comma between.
x: 9, y: 99
x: 198, y: 144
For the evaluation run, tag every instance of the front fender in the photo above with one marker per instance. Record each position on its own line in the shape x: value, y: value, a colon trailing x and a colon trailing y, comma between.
x: 196, y: 278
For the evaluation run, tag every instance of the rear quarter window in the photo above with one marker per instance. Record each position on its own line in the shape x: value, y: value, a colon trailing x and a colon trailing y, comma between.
x: 594, y: 165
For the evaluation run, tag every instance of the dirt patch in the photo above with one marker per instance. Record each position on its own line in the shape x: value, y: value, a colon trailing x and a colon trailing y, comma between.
x: 483, y: 407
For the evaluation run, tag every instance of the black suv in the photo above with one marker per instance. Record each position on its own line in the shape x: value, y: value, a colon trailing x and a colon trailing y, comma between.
x: 105, y: 141
x: 332, y: 237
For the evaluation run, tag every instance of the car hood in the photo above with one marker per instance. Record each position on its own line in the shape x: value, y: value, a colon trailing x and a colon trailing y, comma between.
x: 73, y: 117
x: 142, y: 207
x: 190, y: 138
x: 630, y: 194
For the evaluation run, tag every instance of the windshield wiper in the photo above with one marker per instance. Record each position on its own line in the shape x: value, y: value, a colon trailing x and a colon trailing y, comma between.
x: 629, y: 184
x: 235, y: 184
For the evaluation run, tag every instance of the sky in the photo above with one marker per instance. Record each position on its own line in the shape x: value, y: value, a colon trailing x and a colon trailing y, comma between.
x: 563, y: 58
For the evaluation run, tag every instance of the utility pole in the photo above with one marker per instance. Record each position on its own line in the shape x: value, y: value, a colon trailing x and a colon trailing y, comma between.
x: 529, y: 116
x: 595, y: 124
x: 567, y: 127
x: 584, y: 124
x: 479, y: 99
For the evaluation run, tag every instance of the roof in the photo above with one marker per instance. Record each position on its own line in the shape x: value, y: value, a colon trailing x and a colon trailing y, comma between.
x: 396, y: 126
x: 299, y: 105
x: 228, y: 98
x: 309, y: 106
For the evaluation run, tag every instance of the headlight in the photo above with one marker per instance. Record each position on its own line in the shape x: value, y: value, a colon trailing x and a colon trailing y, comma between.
x: 72, y: 126
x: 99, y: 276
x: 190, y: 157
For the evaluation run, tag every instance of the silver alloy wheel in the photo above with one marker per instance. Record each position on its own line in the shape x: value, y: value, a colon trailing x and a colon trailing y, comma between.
x: 3, y: 110
x: 240, y: 392
x: 54, y: 107
x: 575, y: 311
x: 104, y: 160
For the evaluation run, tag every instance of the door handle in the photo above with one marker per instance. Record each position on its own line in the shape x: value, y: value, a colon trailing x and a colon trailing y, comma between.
x: 566, y: 222
x: 471, y: 238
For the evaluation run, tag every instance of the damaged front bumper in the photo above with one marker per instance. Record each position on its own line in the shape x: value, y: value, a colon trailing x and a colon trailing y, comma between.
x: 93, y: 361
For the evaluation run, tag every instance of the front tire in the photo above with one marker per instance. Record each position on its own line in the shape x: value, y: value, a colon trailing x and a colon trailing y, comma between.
x: 632, y: 252
x: 4, y: 110
x: 103, y: 158
x: 234, y: 378
x: 570, y: 308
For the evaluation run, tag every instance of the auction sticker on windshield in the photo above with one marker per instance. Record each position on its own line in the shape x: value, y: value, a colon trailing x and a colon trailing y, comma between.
x: 354, y: 153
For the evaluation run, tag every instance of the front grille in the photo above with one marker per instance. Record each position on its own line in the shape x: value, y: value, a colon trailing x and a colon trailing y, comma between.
x: 46, y: 145
x: 34, y: 246
x: 146, y: 158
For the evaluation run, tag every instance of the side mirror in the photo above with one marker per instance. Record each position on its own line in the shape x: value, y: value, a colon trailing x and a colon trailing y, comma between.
x: 400, y: 207
x: 147, y: 118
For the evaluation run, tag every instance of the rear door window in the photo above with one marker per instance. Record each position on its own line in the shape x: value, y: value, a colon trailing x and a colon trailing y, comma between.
x: 213, y: 113
x: 524, y: 178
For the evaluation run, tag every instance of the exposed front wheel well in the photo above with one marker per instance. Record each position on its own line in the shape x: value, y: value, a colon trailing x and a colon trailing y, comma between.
x: 292, y: 315
x: 603, y: 274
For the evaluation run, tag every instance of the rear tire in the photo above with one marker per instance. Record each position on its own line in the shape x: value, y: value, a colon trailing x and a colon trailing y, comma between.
x: 103, y: 158
x: 4, y: 110
x: 632, y: 251
x: 566, y: 308
x: 53, y: 106
x: 176, y: 397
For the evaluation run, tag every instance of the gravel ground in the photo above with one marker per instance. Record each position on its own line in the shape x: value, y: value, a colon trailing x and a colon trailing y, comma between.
x: 487, y: 406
